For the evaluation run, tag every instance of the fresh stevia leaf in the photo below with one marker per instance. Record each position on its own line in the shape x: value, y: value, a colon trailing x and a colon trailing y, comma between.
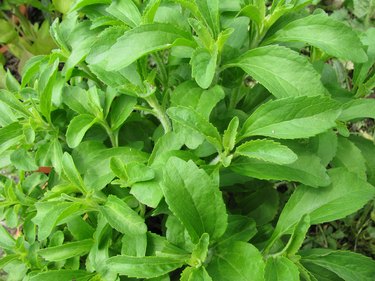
x: 22, y: 160
x: 144, y: 267
x: 126, y: 11
x: 52, y: 213
x: 11, y: 82
x: 267, y: 150
x: 282, y: 71
x: 336, y: 38
x: 80, y: 229
x: 134, y: 245
x: 168, y: 142
x: 325, y: 146
x: 14, y: 103
x: 347, y: 265
x: 7, y: 242
x: 195, y: 274
x: 230, y: 134
x: 345, y: 195
x: 240, y: 228
x: 298, y: 236
x: 123, y: 218
x: 367, y: 148
x: 291, y: 118
x: 72, y: 173
x: 211, y: 14
x: 348, y: 155
x: 7, y: 117
x: 29, y: 133
x: 77, y: 129
x: 79, y: 100
x: 121, y: 108
x: 7, y: 259
x: 307, y: 169
x: 62, y: 275
x: 148, y: 38
x: 7, y: 32
x: 193, y: 120
x: 186, y: 187
x: 150, y: 10
x: 189, y: 94
x: 46, y: 82
x: 66, y: 251
x: 281, y: 268
x: 10, y: 135
x: 79, y: 4
x: 131, y: 173
x: 359, y: 108
x: 200, y: 251
x: 203, y: 33
x: 177, y: 234
x: 81, y: 38
x: 99, y: 173
x: 203, y: 64
x: 226, y: 266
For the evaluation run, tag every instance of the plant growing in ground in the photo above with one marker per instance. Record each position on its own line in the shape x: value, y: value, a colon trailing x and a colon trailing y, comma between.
x: 165, y: 129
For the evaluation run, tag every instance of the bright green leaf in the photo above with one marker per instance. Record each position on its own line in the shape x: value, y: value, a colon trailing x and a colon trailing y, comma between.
x: 67, y: 250
x: 77, y: 129
x: 203, y: 63
x: 280, y: 269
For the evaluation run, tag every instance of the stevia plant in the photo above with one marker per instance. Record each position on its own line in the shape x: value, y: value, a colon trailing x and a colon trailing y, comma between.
x: 164, y: 129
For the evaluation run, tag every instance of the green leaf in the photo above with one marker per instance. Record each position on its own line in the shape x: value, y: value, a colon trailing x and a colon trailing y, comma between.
x: 45, y: 86
x: 291, y: 118
x: 336, y: 38
x: 227, y: 266
x: 195, y: 274
x: 134, y: 245
x: 7, y: 32
x: 72, y: 173
x: 200, y: 251
x: 203, y: 63
x: 345, y: 195
x: 230, y: 134
x: 255, y: 12
x: 210, y: 12
x: 267, y: 150
x: 7, y: 259
x: 7, y: 242
x: 148, y: 38
x: 121, y: 217
x: 193, y: 120
x: 190, y: 193
x: 14, y: 103
x: 10, y: 135
x: 307, y: 169
x: 282, y: 71
x: 367, y: 148
x: 121, y: 109
x: 126, y: 11
x: 22, y: 160
x: 67, y: 250
x: 144, y: 267
x: 81, y: 101
x: 240, y: 228
x: 131, y: 173
x: 280, y: 269
x: 359, y: 108
x: 348, y: 155
x: 52, y: 213
x: 298, y: 236
x: 62, y: 275
x: 77, y: 129
x: 348, y: 265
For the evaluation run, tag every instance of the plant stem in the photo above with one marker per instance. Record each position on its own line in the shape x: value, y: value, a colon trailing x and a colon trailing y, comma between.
x: 163, y: 71
x: 113, y: 135
x: 159, y: 113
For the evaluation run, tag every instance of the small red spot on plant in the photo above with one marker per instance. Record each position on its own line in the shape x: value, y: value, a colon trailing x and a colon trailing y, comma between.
x: 45, y: 170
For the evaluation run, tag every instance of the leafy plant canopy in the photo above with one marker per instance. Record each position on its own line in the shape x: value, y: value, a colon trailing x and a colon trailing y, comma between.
x: 151, y: 141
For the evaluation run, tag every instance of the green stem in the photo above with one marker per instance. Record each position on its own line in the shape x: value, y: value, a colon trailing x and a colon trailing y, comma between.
x: 159, y: 113
x: 113, y: 135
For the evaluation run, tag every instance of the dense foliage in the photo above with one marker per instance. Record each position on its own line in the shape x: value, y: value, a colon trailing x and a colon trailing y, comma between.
x: 153, y: 142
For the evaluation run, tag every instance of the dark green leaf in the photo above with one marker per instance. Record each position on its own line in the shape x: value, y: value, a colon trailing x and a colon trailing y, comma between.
x: 227, y: 266
x: 121, y: 108
x: 240, y: 228
x: 267, y: 150
x: 77, y: 129
x: 190, y: 192
x: 359, y: 108
x: 66, y: 251
x: 121, y: 217
x: 144, y: 267
x: 336, y: 38
x: 290, y: 118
